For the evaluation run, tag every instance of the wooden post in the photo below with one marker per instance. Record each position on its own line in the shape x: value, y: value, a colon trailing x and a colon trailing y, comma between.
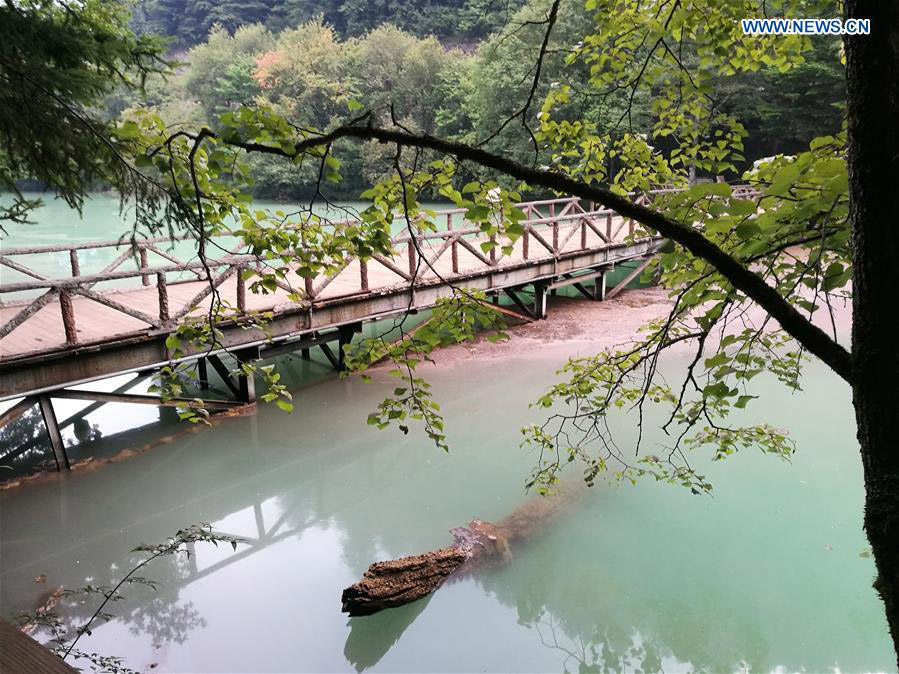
x: 163, y: 293
x: 307, y: 287
x: 454, y: 247
x: 73, y: 260
x: 56, y: 444
x: 555, y: 226
x: 599, y: 288
x: 412, y: 259
x: 247, y: 384
x: 202, y: 374
x: 540, y: 300
x: 345, y: 333
x: 241, y: 290
x: 583, y: 234
x: 363, y: 275
x: 145, y: 279
x: 493, y: 249
x: 524, y: 242
x: 609, y: 226
x: 68, y: 316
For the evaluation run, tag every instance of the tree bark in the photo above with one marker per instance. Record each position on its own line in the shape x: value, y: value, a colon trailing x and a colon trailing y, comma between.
x: 479, y: 545
x: 872, y: 63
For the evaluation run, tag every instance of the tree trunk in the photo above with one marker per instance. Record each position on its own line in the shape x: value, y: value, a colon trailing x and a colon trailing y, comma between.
x: 479, y: 545
x: 872, y: 66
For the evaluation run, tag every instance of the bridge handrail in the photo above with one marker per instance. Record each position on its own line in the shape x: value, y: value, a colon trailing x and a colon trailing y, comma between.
x: 606, y: 227
x: 142, y: 247
x: 233, y: 259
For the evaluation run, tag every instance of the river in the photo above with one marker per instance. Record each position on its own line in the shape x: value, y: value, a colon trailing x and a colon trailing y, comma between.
x: 770, y: 573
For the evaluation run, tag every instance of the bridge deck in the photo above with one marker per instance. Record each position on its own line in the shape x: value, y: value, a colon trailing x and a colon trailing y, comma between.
x: 115, y: 330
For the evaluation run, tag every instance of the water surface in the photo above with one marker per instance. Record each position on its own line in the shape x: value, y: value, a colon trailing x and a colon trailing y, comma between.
x: 769, y: 573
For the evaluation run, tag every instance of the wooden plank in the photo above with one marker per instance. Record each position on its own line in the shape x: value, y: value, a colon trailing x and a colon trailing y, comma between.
x: 576, y: 279
x: 17, y: 410
x: 20, y: 654
x: 56, y: 444
x: 140, y: 399
x: 627, y: 279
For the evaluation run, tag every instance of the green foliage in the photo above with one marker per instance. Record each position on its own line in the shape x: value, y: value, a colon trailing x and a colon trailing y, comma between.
x: 454, y: 320
x: 55, y: 65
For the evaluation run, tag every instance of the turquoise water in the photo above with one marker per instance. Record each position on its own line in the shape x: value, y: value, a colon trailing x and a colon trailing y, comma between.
x: 768, y: 574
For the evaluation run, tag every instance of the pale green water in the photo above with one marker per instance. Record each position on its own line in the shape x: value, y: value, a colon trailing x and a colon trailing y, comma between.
x: 766, y: 575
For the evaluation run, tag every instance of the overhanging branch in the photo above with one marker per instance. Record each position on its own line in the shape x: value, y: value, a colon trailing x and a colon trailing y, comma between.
x: 742, y: 278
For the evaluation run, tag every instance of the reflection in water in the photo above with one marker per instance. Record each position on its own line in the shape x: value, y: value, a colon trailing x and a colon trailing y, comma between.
x: 372, y: 636
x: 766, y: 573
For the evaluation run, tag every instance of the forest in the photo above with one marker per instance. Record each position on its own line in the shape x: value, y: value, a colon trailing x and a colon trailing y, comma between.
x: 188, y: 22
x: 453, y: 69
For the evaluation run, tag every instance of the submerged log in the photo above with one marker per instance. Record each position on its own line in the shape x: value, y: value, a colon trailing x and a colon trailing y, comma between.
x: 400, y: 581
x: 478, y: 545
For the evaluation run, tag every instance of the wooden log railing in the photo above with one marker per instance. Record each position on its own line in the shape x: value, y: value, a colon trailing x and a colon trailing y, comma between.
x: 549, y: 227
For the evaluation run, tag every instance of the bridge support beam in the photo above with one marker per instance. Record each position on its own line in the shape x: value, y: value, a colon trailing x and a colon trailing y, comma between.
x: 540, y: 299
x: 513, y: 295
x: 630, y: 277
x: 344, y: 337
x: 202, y: 374
x: 599, y: 288
x: 247, y: 385
x: 56, y: 444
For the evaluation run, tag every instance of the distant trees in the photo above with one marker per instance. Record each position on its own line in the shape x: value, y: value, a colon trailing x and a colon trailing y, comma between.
x: 309, y: 71
x: 455, y: 21
x: 310, y: 75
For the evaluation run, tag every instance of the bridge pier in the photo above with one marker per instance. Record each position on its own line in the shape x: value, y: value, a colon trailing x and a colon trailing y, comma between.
x: 540, y: 299
x: 247, y: 385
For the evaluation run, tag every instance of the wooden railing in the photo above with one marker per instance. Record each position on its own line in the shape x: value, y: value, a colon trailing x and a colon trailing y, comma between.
x: 552, y: 228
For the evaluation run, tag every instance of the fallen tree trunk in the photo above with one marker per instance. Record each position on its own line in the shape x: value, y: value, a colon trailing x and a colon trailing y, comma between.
x: 478, y: 545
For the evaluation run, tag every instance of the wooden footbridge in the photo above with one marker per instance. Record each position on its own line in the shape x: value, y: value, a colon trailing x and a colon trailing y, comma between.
x: 69, y: 331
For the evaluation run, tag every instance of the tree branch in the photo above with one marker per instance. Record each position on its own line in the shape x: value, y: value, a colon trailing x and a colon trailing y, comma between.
x: 742, y: 278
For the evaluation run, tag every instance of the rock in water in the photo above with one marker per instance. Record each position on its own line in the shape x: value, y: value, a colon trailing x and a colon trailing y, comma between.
x: 400, y: 581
